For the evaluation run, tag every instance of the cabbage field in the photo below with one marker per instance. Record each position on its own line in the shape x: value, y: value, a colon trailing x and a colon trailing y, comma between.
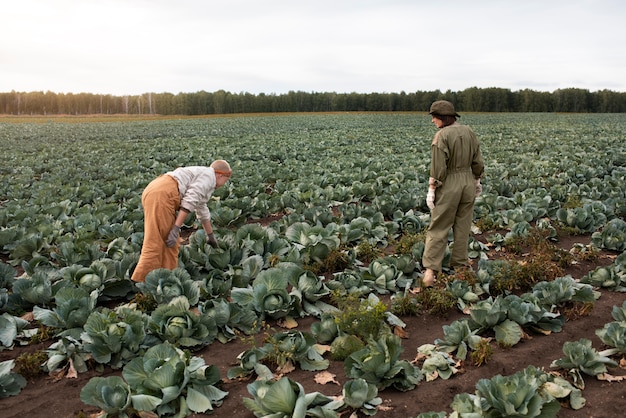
x: 311, y: 305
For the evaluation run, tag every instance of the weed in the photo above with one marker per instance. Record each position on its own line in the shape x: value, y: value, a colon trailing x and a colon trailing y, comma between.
x: 145, y: 303
x: 435, y: 300
x: 359, y: 317
x: 404, y: 306
x: 573, y: 201
x: 577, y: 310
x: 542, y: 261
x: 482, y: 354
x: 367, y: 252
x: 407, y: 241
x: 43, y: 334
x: 338, y: 260
x: 29, y: 364
x: 486, y: 224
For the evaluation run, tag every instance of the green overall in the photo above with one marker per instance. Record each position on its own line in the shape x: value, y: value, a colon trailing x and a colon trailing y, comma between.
x: 456, y: 164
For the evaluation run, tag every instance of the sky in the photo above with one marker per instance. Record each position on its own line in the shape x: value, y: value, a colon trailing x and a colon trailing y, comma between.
x: 130, y: 47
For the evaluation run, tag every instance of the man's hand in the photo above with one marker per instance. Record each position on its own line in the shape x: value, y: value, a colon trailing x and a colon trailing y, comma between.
x: 210, y: 239
x: 172, y: 238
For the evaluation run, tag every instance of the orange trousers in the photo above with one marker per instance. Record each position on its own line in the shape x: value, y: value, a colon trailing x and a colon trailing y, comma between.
x: 160, y: 201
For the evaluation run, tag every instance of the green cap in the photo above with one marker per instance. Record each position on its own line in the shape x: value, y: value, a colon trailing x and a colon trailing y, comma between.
x: 443, y: 108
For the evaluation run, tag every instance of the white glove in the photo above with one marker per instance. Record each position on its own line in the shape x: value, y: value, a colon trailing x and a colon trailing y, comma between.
x: 430, y: 198
x: 479, y: 188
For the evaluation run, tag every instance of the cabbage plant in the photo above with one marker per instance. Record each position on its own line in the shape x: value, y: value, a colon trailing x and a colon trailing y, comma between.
x: 488, y: 313
x: 379, y: 363
x: 605, y: 277
x: 348, y: 282
x: 168, y: 381
x: 436, y: 363
x: 67, y: 353
x: 283, y: 348
x: 11, y: 383
x: 458, y: 337
x: 111, y: 394
x: 114, y: 337
x: 528, y: 312
x: 612, y: 236
x: 361, y: 396
x: 310, y: 289
x: 286, y: 398
x: 564, y: 289
x: 613, y: 334
x: 581, y: 357
x: 464, y: 293
x: 314, y: 242
x: 518, y: 395
x: 86, y: 278
x: 381, y: 276
x: 229, y: 318
x: 73, y: 306
x: 164, y: 285
x: 11, y: 327
x: 35, y: 289
x: 295, y: 347
x: 268, y: 295
x: 176, y: 324
x: 325, y: 330
x: 585, y: 219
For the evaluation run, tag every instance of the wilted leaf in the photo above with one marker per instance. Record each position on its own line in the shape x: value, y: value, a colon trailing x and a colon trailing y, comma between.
x: 610, y: 378
x: 287, y: 323
x: 288, y: 367
x: 400, y: 332
x: 71, y: 371
x: 323, y: 378
x: 321, y: 348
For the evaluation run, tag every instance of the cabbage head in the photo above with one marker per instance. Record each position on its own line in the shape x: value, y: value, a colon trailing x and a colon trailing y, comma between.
x: 164, y: 285
x: 612, y: 236
x: 270, y: 296
x: 176, y: 324
x: 360, y: 395
x: 114, y: 337
x: 379, y: 363
x: 111, y: 394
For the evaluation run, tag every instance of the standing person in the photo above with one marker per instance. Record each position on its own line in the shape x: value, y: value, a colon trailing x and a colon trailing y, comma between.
x: 184, y: 190
x: 455, y: 171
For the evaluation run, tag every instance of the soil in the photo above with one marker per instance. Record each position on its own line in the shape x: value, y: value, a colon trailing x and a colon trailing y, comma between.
x: 47, y: 397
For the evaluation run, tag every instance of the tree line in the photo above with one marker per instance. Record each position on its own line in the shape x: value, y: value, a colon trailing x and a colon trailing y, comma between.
x: 472, y: 99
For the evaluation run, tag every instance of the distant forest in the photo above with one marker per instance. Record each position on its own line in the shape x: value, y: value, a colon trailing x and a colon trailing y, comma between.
x: 473, y: 99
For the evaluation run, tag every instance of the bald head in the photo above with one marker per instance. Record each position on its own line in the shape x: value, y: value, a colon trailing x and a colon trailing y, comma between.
x: 221, y: 167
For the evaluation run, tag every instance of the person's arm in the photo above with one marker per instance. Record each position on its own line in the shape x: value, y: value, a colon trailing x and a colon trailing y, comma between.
x: 180, y: 218
x: 210, y: 238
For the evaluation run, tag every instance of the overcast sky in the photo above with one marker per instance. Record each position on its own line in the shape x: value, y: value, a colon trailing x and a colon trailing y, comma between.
x: 124, y: 47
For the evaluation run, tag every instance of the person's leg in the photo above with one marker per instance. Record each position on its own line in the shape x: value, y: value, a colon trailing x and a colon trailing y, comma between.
x: 461, y: 229
x: 160, y: 200
x: 463, y: 224
x: 442, y: 219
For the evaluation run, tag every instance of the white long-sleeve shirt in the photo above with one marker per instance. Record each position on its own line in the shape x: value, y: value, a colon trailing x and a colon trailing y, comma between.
x: 196, y: 184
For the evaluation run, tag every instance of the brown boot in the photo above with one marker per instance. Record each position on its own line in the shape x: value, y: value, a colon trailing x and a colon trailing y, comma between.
x: 429, y: 278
